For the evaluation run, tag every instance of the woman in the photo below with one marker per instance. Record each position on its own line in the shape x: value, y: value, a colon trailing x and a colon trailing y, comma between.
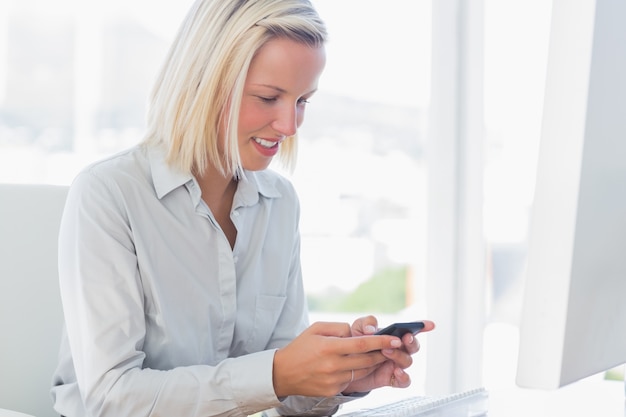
x: 179, y: 258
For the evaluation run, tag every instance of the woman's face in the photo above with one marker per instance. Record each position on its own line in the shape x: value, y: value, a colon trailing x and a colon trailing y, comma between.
x: 282, y: 76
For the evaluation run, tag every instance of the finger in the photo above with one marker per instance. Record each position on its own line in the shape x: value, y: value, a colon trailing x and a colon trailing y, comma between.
x: 365, y: 379
x: 351, y: 372
x: 399, y: 379
x: 364, y: 372
x: 364, y: 326
x: 428, y: 326
x: 365, y: 344
x: 400, y: 358
x: 411, y: 344
x: 330, y: 329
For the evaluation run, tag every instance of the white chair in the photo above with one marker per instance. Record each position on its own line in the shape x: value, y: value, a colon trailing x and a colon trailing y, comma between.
x: 31, y: 317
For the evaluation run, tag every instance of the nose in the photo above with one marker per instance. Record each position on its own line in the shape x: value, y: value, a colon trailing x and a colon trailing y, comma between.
x: 287, y: 120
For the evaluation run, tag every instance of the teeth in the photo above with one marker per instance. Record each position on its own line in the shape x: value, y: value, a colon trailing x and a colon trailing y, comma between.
x: 264, y: 143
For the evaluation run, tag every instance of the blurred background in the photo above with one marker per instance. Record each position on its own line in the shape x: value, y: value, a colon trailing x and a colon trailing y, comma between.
x: 74, y: 81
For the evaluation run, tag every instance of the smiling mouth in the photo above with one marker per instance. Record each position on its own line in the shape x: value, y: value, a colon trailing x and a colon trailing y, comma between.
x: 268, y: 144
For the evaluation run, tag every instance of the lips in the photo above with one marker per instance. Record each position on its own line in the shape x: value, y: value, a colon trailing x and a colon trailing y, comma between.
x: 268, y: 144
x: 267, y: 148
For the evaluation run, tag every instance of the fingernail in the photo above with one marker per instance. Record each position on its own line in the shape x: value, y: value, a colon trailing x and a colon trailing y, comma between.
x: 410, y: 339
x: 370, y: 329
x: 396, y: 343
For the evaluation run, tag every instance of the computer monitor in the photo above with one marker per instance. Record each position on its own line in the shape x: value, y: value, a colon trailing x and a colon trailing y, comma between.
x: 573, y: 322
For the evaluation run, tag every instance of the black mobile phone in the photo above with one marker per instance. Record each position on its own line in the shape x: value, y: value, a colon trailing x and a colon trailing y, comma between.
x: 400, y: 329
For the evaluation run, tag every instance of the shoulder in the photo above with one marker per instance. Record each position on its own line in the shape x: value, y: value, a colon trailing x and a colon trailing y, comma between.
x: 112, y: 180
x: 132, y: 162
x: 120, y: 170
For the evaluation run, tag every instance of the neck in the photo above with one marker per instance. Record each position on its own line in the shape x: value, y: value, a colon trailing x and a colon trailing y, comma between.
x: 216, y: 186
x: 218, y: 193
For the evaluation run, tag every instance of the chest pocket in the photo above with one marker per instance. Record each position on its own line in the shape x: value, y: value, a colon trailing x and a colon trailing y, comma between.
x: 266, y: 315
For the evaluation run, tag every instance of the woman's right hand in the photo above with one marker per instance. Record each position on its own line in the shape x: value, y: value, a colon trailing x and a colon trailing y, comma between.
x: 324, y: 359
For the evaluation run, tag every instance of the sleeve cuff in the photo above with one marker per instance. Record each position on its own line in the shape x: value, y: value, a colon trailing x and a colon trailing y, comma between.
x: 252, y: 379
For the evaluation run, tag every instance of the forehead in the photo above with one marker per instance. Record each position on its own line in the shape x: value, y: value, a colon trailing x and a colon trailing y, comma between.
x: 287, y: 65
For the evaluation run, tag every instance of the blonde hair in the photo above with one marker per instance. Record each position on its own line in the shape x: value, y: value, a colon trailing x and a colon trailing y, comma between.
x: 201, y: 82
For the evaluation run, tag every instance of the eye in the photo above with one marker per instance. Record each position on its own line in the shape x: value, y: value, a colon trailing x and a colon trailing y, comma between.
x: 303, y: 101
x: 267, y: 99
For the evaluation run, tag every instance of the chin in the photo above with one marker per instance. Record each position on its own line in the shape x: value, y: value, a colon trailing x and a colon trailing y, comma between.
x: 255, y: 167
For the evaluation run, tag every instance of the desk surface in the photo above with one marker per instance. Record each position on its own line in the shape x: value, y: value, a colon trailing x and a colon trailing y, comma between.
x: 586, y: 398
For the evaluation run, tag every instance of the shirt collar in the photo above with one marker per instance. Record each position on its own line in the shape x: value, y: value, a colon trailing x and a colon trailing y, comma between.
x: 165, y: 178
x: 251, y: 184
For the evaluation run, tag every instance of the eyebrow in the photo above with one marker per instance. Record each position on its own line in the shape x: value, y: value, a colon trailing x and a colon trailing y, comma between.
x: 282, y: 90
x: 273, y: 87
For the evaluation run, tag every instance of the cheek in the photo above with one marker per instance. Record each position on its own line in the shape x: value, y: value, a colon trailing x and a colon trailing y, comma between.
x: 251, y: 119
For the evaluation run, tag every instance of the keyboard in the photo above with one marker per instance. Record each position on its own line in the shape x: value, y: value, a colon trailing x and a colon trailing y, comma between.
x: 472, y: 403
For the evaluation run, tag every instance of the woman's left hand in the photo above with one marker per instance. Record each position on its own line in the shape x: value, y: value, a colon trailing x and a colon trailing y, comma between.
x: 391, y: 372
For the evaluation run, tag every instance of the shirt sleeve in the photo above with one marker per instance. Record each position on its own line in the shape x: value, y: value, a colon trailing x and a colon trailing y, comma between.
x: 311, y: 406
x: 103, y: 304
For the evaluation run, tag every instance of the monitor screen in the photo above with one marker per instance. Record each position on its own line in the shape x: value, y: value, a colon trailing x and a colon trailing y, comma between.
x: 573, y: 322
